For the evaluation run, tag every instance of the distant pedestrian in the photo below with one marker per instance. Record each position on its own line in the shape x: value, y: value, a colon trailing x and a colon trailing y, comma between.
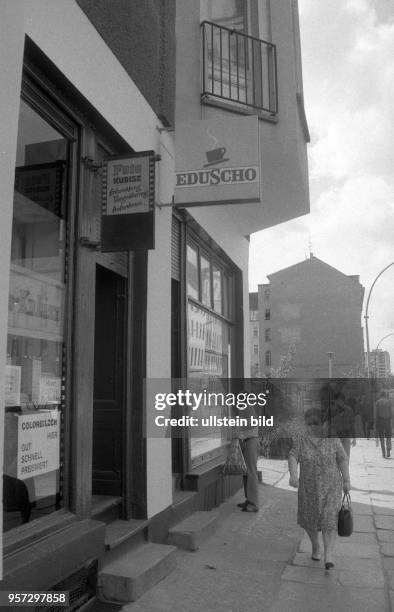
x: 383, y: 423
x: 324, y: 473
x: 343, y: 422
x: 366, y: 413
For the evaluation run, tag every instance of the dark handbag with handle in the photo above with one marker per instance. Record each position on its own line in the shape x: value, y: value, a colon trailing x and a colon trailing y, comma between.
x: 345, y: 517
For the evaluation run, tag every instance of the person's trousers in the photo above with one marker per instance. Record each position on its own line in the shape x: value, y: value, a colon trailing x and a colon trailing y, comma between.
x: 346, y: 445
x: 383, y: 429
x: 250, y: 452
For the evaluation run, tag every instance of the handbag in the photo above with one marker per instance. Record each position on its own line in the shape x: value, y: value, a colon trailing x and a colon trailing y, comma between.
x: 345, y: 517
x: 235, y: 463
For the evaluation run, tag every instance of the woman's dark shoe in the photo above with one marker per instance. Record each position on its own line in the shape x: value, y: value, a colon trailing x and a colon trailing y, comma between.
x: 315, y: 558
x: 243, y: 504
x: 329, y: 565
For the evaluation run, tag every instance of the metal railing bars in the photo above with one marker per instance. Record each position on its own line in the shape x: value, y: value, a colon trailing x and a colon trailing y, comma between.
x: 239, y: 68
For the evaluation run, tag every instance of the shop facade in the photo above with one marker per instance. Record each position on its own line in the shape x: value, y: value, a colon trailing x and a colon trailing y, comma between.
x: 82, y: 327
x: 78, y: 323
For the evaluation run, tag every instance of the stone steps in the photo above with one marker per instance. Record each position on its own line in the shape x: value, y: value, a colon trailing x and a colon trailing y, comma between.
x: 136, y: 571
x: 189, y: 533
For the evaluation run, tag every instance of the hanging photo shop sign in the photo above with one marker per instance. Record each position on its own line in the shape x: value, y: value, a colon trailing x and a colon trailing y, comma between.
x: 218, y: 161
x: 128, y: 202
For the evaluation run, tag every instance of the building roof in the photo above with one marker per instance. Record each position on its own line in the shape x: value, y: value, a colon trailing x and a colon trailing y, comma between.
x: 316, y: 262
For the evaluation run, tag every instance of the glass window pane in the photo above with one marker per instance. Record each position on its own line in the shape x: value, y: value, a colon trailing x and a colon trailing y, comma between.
x: 205, y: 268
x: 217, y: 289
x: 230, y: 13
x: 209, y: 339
x: 34, y: 363
x: 192, y: 272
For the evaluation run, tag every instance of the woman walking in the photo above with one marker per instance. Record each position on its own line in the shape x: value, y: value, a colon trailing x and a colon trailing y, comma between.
x: 324, y: 473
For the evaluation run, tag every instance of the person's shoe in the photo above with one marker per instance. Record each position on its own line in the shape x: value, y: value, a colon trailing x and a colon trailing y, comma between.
x: 329, y: 565
x: 249, y: 507
x: 243, y: 504
x: 388, y: 454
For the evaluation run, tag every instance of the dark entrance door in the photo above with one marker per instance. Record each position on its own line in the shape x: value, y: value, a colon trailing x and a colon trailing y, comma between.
x: 109, y: 382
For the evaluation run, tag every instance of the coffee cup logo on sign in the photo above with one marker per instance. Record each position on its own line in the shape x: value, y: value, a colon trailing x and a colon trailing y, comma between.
x: 215, y: 155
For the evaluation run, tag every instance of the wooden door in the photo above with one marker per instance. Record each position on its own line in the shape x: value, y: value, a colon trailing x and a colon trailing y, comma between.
x: 109, y: 382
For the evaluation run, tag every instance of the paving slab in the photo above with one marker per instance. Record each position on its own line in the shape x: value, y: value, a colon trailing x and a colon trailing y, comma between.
x: 368, y: 579
x: 310, y: 576
x: 294, y: 597
x: 341, y: 562
x: 363, y: 523
x: 388, y: 563
x: 384, y: 522
x: 365, y: 543
x: 387, y: 549
x: 383, y: 511
x: 385, y: 535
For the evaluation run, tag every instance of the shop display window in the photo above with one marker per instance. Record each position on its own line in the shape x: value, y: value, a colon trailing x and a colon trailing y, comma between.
x: 209, y: 335
x: 35, y: 367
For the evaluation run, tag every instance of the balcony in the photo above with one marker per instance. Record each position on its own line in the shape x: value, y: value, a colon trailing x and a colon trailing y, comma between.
x: 239, y: 69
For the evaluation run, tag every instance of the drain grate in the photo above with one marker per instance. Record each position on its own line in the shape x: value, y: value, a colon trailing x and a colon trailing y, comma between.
x: 81, y: 587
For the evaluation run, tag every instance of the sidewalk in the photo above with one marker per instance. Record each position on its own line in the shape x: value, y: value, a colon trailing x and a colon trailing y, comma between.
x: 258, y: 562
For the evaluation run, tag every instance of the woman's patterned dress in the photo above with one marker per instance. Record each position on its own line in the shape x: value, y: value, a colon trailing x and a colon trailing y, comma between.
x: 320, y: 482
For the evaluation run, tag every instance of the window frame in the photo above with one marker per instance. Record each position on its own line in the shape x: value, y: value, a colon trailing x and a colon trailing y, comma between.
x: 229, y: 318
x: 42, y: 100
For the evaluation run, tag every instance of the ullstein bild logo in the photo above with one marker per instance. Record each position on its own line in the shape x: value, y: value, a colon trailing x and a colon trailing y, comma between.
x: 217, y: 176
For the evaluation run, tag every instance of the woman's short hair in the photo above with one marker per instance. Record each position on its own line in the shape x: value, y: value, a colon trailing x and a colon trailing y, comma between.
x: 313, y: 413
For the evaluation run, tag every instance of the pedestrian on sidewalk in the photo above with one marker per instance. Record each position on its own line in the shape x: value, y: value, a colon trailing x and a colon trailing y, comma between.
x: 324, y: 473
x: 383, y: 423
x: 343, y: 422
x: 249, y: 441
x: 366, y: 412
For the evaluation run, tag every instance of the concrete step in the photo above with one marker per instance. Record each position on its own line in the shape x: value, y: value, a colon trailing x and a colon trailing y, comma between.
x: 130, y: 576
x: 189, y: 534
x: 118, y: 532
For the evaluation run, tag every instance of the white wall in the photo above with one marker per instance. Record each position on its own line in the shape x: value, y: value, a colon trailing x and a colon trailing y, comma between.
x: 11, y: 54
x: 159, y: 457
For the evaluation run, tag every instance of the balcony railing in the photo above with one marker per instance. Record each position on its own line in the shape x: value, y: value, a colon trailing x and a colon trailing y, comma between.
x: 239, y: 68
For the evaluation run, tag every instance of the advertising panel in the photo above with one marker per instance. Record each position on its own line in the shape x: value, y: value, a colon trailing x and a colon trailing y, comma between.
x: 32, y: 443
x: 128, y: 202
x: 218, y: 161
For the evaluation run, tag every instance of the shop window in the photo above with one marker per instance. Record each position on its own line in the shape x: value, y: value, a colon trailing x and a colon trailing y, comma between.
x: 209, y: 350
x: 192, y: 272
x: 35, y: 366
x: 205, y: 268
x: 217, y: 289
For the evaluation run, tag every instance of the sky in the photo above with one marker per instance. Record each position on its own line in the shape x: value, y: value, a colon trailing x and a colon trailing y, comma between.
x: 348, y: 74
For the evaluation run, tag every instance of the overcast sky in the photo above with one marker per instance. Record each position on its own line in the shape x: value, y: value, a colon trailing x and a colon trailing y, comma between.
x: 348, y: 70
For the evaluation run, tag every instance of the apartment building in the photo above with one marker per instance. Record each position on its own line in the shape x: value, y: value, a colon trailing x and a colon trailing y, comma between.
x: 380, y: 363
x: 310, y: 322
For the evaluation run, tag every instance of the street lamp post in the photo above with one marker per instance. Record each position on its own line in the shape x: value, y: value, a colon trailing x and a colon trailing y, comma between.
x: 366, y: 315
x: 330, y: 354
x: 384, y: 338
